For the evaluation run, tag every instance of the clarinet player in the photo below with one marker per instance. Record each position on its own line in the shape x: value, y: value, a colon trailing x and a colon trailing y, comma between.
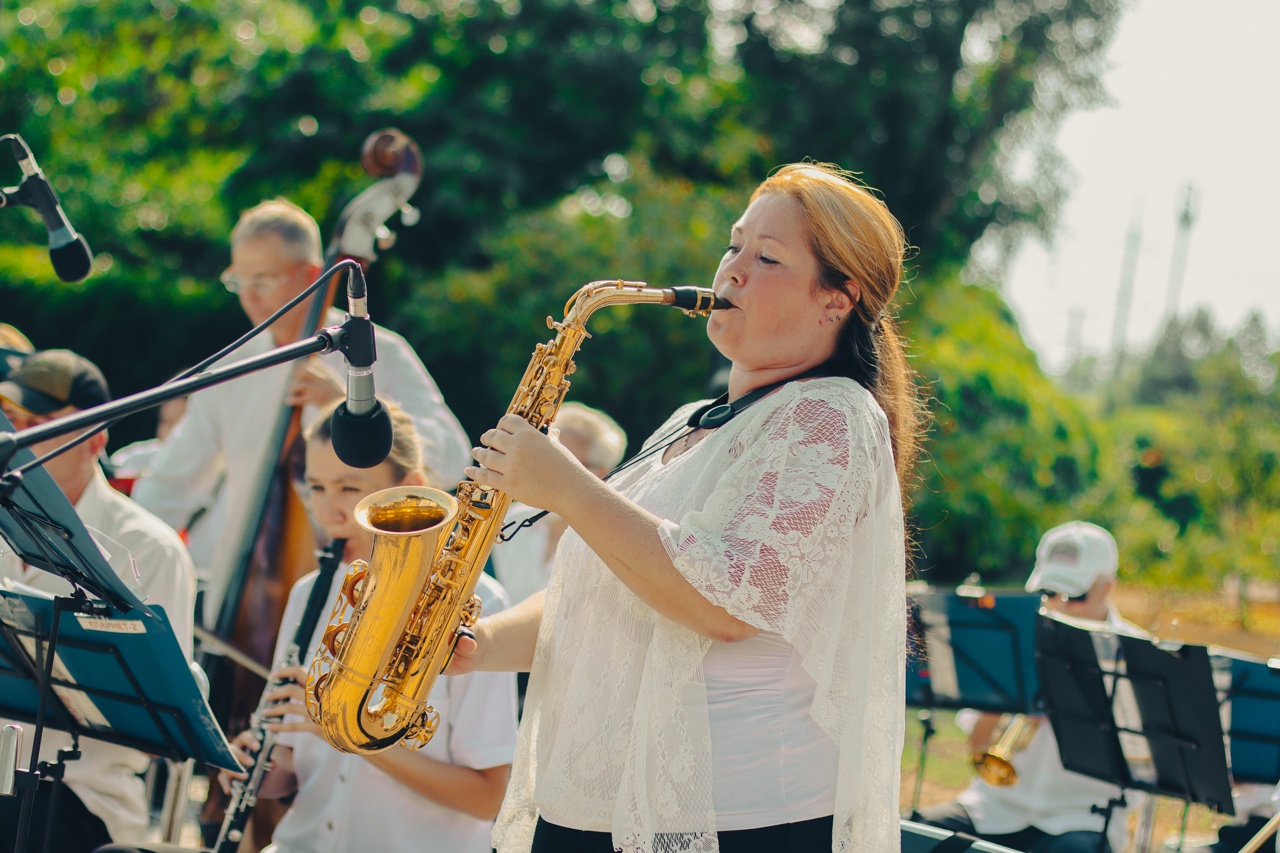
x: 718, y: 661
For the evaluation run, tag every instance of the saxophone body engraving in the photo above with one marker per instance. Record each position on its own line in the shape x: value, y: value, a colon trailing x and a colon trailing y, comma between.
x: 394, y: 626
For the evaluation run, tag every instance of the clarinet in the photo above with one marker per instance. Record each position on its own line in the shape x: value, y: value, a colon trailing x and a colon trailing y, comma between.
x: 244, y: 792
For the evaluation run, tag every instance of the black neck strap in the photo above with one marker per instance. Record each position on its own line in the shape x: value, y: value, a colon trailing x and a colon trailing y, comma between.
x: 715, y: 414
x: 720, y: 411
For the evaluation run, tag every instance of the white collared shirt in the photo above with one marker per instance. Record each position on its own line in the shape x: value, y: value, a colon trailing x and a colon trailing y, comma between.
x: 224, y: 436
x: 345, y: 803
x: 107, y: 777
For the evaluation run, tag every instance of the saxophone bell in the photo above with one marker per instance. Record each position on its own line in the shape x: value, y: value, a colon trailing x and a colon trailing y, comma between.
x: 360, y: 691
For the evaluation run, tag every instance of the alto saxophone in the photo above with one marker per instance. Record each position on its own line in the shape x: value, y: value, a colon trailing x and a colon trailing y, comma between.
x: 396, y: 621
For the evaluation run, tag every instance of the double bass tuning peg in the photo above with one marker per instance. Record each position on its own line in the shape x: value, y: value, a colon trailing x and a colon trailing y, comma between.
x: 385, y: 237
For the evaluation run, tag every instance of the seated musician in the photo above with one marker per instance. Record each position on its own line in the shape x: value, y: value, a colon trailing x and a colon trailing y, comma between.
x: 442, y: 797
x: 104, y: 797
x: 1049, y: 808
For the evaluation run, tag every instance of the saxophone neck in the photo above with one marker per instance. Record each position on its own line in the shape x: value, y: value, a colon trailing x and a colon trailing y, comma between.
x: 694, y: 301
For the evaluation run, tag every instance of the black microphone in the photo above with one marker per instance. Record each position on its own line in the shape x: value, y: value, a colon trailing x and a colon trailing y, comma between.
x: 69, y: 252
x: 361, y: 425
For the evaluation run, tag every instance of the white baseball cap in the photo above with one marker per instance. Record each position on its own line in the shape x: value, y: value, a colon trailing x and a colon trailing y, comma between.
x: 1071, y: 556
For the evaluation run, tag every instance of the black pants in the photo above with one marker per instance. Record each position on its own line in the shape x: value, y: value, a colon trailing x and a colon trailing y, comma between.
x: 804, y: 837
x: 75, y: 829
x: 954, y: 817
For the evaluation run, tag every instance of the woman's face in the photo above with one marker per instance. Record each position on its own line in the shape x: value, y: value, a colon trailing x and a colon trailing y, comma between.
x: 781, y: 318
x: 334, y: 489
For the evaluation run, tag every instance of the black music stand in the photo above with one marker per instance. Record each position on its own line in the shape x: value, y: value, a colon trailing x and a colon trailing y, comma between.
x: 43, y: 529
x: 971, y: 648
x: 1176, y: 705
x: 108, y: 668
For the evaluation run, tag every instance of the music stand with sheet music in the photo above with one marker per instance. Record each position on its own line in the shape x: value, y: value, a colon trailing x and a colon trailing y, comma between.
x: 1175, y: 703
x: 973, y: 648
x: 110, y: 669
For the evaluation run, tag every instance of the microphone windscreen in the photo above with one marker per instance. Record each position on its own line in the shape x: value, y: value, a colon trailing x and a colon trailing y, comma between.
x: 73, y: 261
x: 361, y: 441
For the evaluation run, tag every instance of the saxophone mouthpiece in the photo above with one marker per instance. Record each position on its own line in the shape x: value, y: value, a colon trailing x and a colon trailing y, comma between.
x: 697, y: 299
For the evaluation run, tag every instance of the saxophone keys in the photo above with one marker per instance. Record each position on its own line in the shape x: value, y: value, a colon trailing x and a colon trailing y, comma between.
x: 353, y: 584
x: 422, y: 729
x: 315, y: 692
x: 470, y: 612
x: 334, y: 635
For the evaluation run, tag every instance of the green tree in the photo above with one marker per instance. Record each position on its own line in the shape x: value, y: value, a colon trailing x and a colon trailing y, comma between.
x: 1008, y: 455
x: 938, y: 103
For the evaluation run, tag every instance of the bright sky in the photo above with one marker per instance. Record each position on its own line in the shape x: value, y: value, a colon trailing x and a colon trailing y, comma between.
x: 1196, y: 91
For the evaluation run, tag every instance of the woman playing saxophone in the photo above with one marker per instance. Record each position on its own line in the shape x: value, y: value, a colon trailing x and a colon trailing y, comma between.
x: 718, y: 661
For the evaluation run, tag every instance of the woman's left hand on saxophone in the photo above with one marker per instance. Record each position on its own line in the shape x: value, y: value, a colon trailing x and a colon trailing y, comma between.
x: 531, y: 467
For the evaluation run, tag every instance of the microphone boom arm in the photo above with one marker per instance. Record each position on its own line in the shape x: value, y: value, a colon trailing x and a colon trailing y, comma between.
x: 331, y: 339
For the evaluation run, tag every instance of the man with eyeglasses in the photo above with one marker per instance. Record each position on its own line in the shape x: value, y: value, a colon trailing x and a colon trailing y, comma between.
x: 211, y: 462
x: 1049, y: 808
x: 104, y: 796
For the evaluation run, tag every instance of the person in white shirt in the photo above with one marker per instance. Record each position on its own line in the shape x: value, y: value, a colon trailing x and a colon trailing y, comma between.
x: 220, y: 447
x: 442, y: 797
x: 718, y: 662
x: 1050, y: 809
x: 523, y: 565
x: 133, y: 459
x: 106, y: 797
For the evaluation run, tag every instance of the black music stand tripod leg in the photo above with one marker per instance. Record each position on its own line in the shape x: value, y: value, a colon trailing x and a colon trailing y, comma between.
x: 30, y: 781
x: 1105, y: 811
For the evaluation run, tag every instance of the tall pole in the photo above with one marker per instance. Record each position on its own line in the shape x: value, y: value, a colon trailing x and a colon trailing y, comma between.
x: 1124, y: 297
x: 1178, y: 267
x: 1075, y: 335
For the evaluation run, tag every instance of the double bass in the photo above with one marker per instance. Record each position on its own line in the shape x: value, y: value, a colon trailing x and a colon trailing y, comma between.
x: 278, y: 545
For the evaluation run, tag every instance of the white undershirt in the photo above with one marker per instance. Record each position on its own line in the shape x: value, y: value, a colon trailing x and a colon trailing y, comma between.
x: 771, y: 763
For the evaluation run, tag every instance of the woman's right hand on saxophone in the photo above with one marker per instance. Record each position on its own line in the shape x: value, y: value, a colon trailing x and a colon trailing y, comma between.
x: 503, y: 642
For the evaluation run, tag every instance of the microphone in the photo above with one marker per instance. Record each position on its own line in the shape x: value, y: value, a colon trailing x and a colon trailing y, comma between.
x: 69, y: 252
x: 361, y: 425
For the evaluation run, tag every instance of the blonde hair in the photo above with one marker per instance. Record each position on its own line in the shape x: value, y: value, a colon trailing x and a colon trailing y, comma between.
x: 287, y: 221
x: 406, y: 452
x: 856, y: 239
x: 606, y: 442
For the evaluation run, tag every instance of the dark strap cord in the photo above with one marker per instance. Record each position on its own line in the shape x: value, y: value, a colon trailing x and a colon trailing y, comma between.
x: 712, y: 415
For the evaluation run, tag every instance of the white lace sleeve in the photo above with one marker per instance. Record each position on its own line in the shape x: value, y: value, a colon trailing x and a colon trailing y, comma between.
x: 802, y: 536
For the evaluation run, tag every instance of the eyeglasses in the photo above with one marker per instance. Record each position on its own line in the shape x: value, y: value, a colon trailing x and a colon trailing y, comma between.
x: 1071, y: 599
x: 261, y: 283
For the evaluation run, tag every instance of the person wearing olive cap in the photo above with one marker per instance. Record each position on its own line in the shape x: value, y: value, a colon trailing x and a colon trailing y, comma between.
x: 103, y: 798
x: 1049, y: 809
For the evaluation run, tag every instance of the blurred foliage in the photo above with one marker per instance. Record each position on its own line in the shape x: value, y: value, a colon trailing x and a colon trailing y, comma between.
x: 1191, y: 484
x: 1008, y: 451
x: 949, y: 107
x: 480, y: 327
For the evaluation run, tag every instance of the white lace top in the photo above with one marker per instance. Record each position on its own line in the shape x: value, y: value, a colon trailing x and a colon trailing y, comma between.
x: 790, y: 518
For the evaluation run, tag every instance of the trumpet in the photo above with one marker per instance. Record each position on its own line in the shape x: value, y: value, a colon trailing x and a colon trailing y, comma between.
x: 995, y: 766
